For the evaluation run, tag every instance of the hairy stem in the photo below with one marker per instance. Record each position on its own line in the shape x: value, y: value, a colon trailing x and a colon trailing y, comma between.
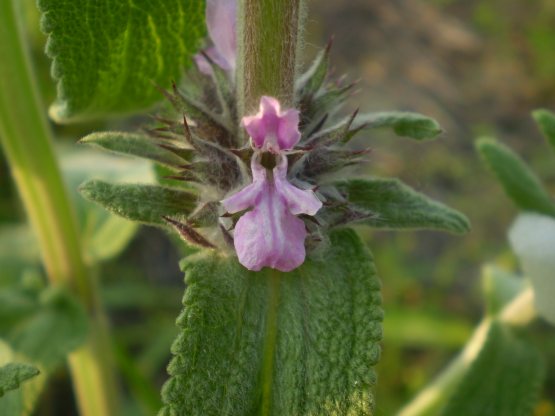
x: 430, y: 400
x: 28, y: 147
x: 268, y: 38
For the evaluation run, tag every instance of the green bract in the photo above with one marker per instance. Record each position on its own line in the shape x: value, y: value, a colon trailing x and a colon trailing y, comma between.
x: 404, y: 124
x: 202, y: 146
x: 393, y: 205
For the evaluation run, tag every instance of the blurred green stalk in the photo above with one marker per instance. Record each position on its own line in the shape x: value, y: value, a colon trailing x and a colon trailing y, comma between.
x: 520, y: 311
x: 27, y: 144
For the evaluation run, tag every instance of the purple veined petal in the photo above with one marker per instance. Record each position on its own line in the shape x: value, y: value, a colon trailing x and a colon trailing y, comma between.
x: 255, y: 129
x: 221, y: 18
x: 288, y: 129
x: 271, y: 129
x: 298, y: 201
x: 270, y: 236
x: 248, y: 196
x: 264, y: 123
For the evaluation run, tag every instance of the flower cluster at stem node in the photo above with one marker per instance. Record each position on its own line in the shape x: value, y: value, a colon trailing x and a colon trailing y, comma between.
x: 270, y: 234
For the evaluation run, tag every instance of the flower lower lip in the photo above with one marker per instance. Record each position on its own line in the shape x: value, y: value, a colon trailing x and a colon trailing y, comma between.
x: 270, y: 234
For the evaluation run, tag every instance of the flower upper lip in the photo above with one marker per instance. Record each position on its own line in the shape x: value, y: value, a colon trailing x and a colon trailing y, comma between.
x: 271, y: 128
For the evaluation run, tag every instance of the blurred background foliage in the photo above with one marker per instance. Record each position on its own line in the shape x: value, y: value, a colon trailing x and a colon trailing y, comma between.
x: 478, y: 67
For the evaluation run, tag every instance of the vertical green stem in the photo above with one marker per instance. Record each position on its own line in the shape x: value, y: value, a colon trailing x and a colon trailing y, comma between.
x: 27, y: 144
x: 268, y: 38
x: 268, y: 42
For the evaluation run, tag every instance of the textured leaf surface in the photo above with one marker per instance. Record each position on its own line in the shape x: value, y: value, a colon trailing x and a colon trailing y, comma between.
x: 518, y: 181
x: 395, y: 205
x: 144, y: 203
x: 13, y: 374
x: 270, y: 343
x: 132, y: 144
x: 505, y: 379
x: 404, y: 124
x: 106, y: 53
x: 532, y: 237
x: 546, y: 122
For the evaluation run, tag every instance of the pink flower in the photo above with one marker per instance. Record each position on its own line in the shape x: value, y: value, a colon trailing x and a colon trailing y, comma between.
x: 270, y: 234
x: 220, y: 21
x: 271, y: 129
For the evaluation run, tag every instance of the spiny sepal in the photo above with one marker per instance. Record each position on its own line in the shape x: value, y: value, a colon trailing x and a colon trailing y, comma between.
x: 200, y: 149
x: 139, y: 145
x: 312, y: 80
x: 188, y: 233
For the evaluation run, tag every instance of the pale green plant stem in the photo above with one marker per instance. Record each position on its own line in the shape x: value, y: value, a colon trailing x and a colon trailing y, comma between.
x: 268, y: 43
x: 28, y: 147
x: 268, y: 39
x: 429, y: 401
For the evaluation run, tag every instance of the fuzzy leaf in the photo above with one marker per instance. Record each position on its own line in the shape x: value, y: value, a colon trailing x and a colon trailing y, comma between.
x: 107, y: 54
x: 395, y: 205
x: 546, y: 122
x: 13, y: 374
x: 505, y: 378
x: 311, y: 81
x: 297, y: 343
x: 532, y: 237
x: 404, y: 124
x: 133, y: 144
x: 518, y: 181
x: 143, y: 203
